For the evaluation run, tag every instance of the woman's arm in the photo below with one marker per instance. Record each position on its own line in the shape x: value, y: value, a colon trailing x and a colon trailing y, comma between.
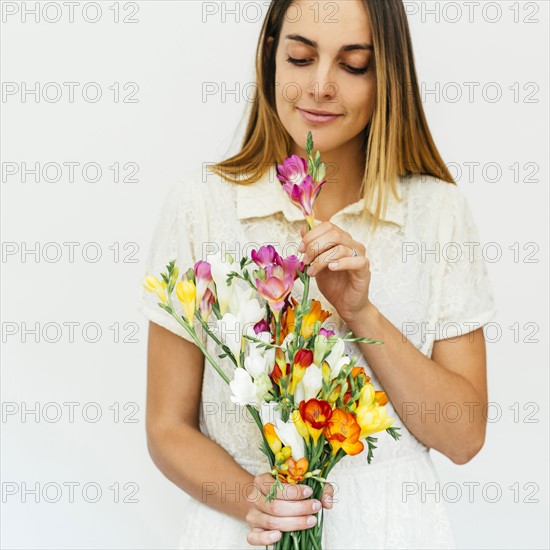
x: 441, y: 400
x: 182, y: 453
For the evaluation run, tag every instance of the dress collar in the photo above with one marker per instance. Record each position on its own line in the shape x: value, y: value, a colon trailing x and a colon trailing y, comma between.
x: 266, y: 196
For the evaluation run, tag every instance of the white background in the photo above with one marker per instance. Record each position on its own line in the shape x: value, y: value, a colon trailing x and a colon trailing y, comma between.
x: 170, y: 53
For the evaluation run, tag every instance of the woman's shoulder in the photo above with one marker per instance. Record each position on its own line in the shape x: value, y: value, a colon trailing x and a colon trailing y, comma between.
x: 424, y: 186
x: 431, y: 201
x: 424, y: 192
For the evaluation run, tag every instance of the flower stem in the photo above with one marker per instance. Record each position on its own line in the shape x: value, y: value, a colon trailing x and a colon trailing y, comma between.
x: 189, y: 328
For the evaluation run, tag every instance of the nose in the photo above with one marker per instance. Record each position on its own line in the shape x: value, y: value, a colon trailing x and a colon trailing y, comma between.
x: 323, y: 87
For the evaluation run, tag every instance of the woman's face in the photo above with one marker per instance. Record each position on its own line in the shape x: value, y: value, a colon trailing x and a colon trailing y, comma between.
x: 325, y: 62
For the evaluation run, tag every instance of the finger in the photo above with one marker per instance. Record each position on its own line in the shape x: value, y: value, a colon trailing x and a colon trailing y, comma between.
x: 263, y: 482
x: 327, y: 498
x: 288, y: 508
x: 335, y: 253
x: 310, y: 245
x: 255, y: 518
x: 261, y: 537
x: 349, y: 263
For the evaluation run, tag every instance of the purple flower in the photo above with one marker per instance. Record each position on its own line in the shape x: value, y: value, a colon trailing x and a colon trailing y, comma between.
x: 203, y: 276
x: 291, y: 265
x: 299, y: 185
x: 261, y: 326
x: 265, y: 256
x: 293, y: 171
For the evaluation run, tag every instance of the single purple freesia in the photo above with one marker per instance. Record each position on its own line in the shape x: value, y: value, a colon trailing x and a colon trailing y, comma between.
x: 261, y: 326
x: 325, y: 332
x: 293, y: 170
x: 298, y: 184
x: 264, y: 256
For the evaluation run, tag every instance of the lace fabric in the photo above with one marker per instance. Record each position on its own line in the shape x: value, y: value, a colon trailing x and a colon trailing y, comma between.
x: 426, y: 294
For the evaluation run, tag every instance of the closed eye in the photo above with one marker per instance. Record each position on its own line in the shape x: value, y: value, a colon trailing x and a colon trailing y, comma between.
x: 349, y: 68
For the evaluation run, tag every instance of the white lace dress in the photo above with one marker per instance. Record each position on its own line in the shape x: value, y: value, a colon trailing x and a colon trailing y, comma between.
x: 427, y: 295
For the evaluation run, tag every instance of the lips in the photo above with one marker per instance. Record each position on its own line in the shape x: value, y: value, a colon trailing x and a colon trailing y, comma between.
x: 318, y: 117
x: 319, y: 113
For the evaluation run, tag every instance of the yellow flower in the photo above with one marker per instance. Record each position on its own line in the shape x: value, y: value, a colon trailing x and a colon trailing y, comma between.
x: 186, y: 292
x: 373, y: 419
x: 301, y: 426
x: 273, y: 440
x: 366, y: 398
x: 152, y: 284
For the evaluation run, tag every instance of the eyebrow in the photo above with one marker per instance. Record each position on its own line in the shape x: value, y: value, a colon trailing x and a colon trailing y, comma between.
x: 347, y: 48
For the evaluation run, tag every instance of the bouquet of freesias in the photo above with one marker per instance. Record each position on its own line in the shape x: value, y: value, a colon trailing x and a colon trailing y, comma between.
x: 312, y: 403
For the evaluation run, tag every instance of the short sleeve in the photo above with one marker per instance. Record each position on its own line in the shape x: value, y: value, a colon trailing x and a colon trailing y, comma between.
x: 466, y: 300
x: 172, y: 239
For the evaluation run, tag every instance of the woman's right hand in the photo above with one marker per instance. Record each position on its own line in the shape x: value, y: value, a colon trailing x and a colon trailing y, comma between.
x: 288, y: 511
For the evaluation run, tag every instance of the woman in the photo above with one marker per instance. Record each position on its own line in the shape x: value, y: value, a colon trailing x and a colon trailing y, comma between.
x: 394, y: 219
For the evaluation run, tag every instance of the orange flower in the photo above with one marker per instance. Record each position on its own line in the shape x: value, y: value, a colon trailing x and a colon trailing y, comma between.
x: 381, y: 397
x: 287, y: 320
x: 316, y: 314
x: 343, y: 432
x: 294, y: 471
x: 277, y: 374
x: 360, y: 371
x: 316, y: 414
x: 308, y: 320
x: 302, y: 360
x: 275, y: 444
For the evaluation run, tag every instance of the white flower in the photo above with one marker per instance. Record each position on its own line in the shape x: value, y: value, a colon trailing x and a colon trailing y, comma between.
x: 233, y: 324
x: 242, y: 388
x: 219, y: 271
x: 230, y: 334
x: 336, y: 358
x: 290, y: 437
x: 257, y: 354
x: 308, y: 387
x: 268, y: 414
x: 320, y: 348
x: 262, y: 385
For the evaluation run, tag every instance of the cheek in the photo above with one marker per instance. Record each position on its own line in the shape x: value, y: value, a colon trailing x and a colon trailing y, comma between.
x: 360, y: 99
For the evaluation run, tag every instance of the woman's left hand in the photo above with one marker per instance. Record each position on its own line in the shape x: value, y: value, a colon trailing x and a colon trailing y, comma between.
x: 345, y: 286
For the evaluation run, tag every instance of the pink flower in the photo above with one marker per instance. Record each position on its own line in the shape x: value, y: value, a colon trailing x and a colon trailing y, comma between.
x: 325, y: 332
x: 261, y: 326
x: 293, y: 171
x: 275, y: 290
x: 264, y: 256
x: 299, y: 185
x: 291, y: 265
x: 203, y: 276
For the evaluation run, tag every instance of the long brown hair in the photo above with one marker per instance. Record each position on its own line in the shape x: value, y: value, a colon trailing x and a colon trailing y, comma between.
x: 397, y: 140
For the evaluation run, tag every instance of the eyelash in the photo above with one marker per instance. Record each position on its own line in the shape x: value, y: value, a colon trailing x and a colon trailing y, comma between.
x: 352, y: 70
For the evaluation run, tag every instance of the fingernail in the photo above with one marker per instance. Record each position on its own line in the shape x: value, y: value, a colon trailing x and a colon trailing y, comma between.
x: 316, y: 506
x: 311, y: 520
x: 275, y: 536
x: 310, y: 270
x: 301, y: 248
x: 327, y: 499
x: 308, y: 491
